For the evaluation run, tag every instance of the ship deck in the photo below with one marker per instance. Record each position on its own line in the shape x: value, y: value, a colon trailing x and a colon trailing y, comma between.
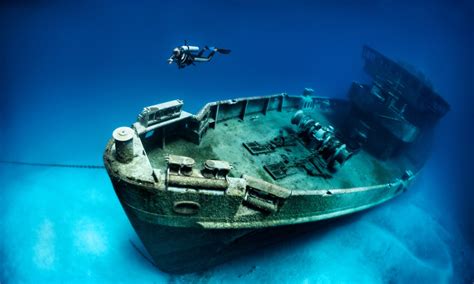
x: 225, y: 142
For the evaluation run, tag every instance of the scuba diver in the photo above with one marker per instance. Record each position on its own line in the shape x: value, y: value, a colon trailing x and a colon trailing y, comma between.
x: 186, y: 55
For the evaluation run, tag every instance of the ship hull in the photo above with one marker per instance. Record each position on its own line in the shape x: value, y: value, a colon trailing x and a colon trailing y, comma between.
x: 180, y: 248
x: 183, y: 250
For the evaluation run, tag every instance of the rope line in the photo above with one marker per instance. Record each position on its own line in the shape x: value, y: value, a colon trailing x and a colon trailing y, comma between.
x: 52, y: 165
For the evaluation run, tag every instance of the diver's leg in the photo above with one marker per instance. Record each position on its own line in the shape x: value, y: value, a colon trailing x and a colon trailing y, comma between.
x: 205, y: 59
x: 211, y: 54
x: 201, y: 52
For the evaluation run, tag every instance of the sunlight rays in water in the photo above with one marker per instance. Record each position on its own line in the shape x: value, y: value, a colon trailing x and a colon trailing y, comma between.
x: 90, y: 237
x: 44, y: 251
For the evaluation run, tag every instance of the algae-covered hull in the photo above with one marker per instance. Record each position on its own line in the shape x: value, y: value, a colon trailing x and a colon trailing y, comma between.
x: 200, y: 189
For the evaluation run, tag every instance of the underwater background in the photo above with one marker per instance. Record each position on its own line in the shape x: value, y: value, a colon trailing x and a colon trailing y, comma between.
x: 71, y: 72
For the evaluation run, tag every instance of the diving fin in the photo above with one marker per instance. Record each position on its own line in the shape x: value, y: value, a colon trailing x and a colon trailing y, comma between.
x: 223, y: 51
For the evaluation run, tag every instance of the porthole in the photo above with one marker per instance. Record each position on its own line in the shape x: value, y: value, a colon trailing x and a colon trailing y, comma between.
x: 186, y: 207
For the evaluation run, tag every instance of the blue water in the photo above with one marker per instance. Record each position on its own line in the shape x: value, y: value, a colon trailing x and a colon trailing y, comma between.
x: 70, y: 73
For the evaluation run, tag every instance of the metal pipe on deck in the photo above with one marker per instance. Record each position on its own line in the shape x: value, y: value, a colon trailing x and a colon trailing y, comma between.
x: 197, y: 182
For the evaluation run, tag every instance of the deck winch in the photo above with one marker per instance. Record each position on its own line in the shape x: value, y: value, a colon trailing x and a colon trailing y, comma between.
x: 321, y: 140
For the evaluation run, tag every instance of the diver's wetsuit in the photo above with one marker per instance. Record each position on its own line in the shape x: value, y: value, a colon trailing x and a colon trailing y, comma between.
x: 184, y: 60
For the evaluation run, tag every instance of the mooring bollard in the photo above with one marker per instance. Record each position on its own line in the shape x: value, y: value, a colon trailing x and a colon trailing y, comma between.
x: 123, y: 137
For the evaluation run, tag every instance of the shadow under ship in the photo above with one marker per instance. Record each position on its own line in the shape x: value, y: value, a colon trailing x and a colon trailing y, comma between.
x: 201, y: 189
